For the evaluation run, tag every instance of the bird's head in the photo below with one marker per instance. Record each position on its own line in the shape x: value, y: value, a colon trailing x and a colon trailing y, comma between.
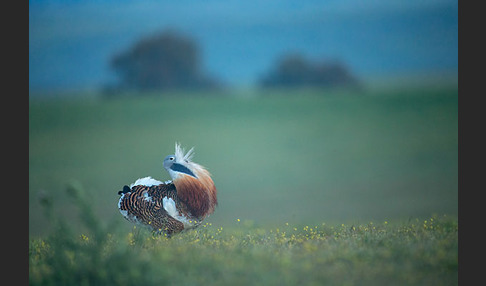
x: 192, y: 181
x: 180, y: 163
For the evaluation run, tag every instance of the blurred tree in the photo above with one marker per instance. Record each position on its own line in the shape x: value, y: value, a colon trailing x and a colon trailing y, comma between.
x: 293, y: 70
x: 165, y: 60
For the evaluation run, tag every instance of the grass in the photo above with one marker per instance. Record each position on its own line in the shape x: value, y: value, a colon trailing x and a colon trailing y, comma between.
x: 281, y: 156
x: 414, y: 252
x: 315, y: 187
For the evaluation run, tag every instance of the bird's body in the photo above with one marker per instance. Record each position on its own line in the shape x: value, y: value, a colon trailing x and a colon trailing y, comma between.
x: 172, y: 206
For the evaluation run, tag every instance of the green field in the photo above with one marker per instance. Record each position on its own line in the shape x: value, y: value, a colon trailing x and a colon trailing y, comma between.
x: 417, y: 252
x: 332, y: 161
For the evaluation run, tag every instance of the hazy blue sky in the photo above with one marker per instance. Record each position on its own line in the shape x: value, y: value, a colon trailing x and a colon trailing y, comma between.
x: 71, y: 42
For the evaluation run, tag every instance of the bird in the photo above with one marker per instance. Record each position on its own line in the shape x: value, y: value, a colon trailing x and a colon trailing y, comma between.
x: 175, y: 205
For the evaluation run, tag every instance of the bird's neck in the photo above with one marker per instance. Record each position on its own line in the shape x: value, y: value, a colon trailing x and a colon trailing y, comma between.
x: 199, y: 195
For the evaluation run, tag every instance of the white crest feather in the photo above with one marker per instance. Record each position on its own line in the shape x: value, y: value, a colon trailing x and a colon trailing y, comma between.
x: 180, y: 156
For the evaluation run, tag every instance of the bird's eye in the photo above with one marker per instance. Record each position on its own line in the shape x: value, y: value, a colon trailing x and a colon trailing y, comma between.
x: 171, y: 158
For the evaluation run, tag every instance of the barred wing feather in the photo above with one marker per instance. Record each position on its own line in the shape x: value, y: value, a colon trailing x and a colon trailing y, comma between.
x: 145, y: 205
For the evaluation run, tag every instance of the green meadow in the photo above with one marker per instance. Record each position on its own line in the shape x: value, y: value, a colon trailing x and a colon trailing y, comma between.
x: 314, y: 186
x: 417, y: 252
